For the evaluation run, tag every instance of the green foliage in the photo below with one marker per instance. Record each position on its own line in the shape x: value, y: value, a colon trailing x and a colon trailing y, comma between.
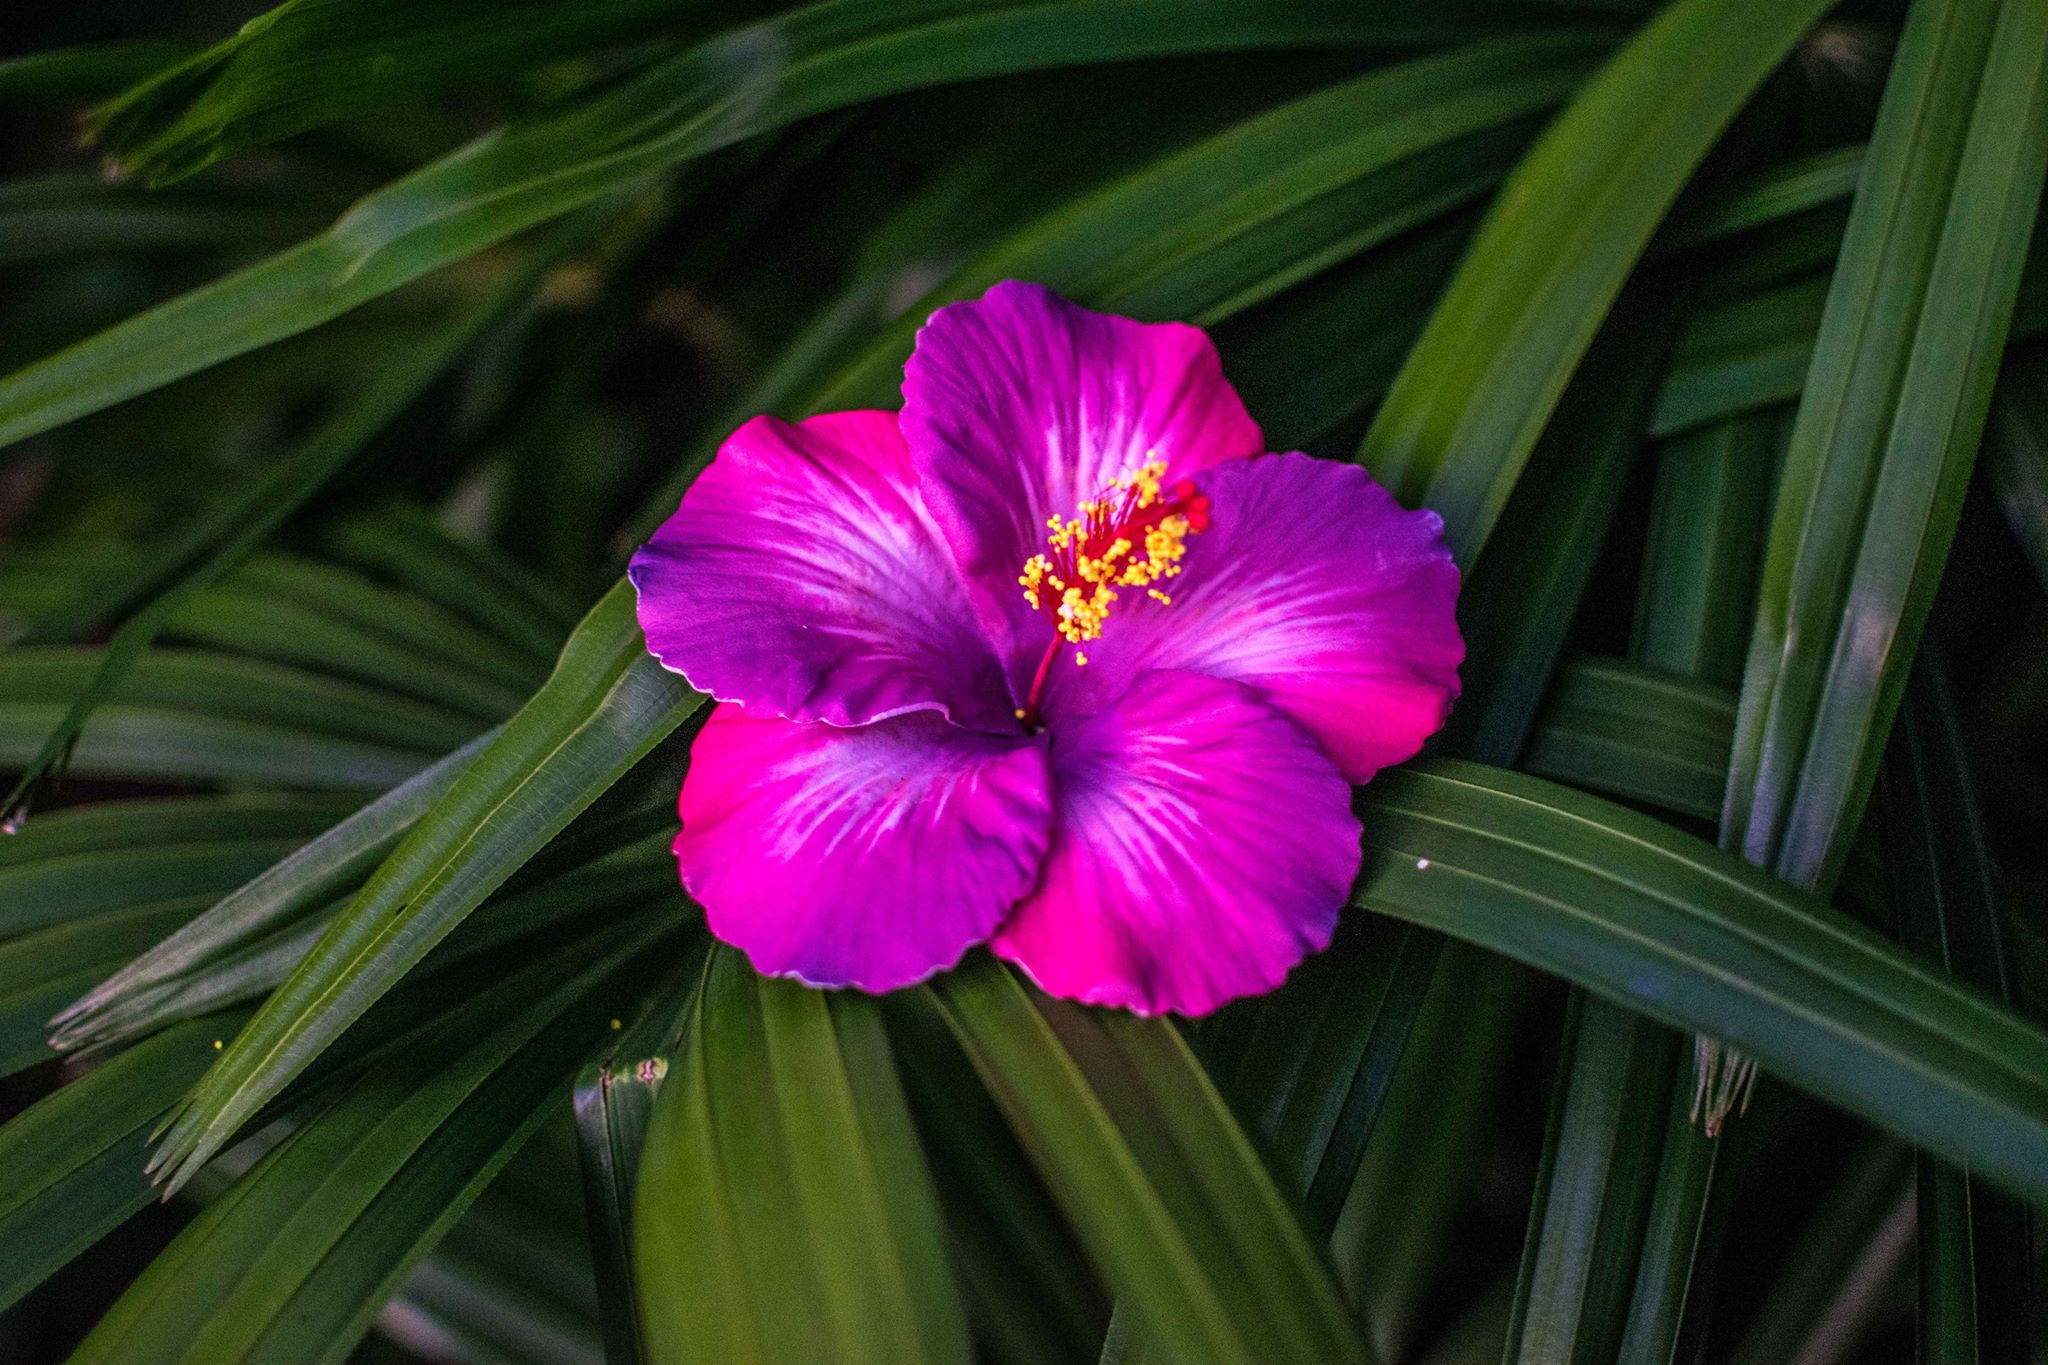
x: 1888, y: 425
x: 337, y: 855
x: 799, y: 1222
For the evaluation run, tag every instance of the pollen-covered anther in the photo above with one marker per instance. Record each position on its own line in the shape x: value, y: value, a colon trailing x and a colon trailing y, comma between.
x: 1132, y: 536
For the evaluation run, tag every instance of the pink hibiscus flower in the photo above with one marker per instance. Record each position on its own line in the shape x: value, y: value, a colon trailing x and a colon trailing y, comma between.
x: 1056, y: 659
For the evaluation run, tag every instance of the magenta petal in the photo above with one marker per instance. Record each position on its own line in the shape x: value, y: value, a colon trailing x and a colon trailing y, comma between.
x: 801, y: 578
x: 1202, y: 845
x: 1019, y: 405
x: 867, y: 857
x: 1314, y: 586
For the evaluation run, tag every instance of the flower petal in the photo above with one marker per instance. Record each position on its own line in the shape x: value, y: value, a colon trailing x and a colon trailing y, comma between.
x: 867, y: 857
x: 1019, y: 405
x: 1312, y: 585
x: 1202, y: 845
x: 801, y: 578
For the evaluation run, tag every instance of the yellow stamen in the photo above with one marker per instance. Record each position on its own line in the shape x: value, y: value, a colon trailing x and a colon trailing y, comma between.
x: 1090, y: 557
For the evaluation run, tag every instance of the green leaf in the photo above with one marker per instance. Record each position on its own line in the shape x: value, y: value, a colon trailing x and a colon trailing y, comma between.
x: 1976, y: 1246
x: 427, y: 630
x: 208, y: 687
x: 614, y: 1102
x: 1317, y: 358
x: 293, y: 1262
x: 1888, y: 426
x: 205, y: 552
x: 1768, y: 196
x: 633, y: 876
x: 1847, y: 1253
x: 1699, y: 567
x: 1310, y: 1065
x: 1687, y: 934
x: 51, y: 890
x: 511, y: 1280
x: 305, y: 63
x: 69, y: 75
x: 1626, y: 731
x: 821, y: 57
x: 1571, y: 222
x: 74, y: 1159
x: 607, y: 704
x: 1399, y: 1226
x: 1594, y: 1185
x: 47, y: 218
x: 153, y: 744
x: 282, y: 893
x: 233, y: 619
x: 1161, y: 1185
x: 1673, y: 1226
x: 784, y: 1211
x: 106, y: 826
x: 1528, y: 582
x: 2017, y: 444
x: 1740, y: 355
x: 41, y: 970
x: 1692, y: 617
x: 1030, y: 1296
x: 463, y: 578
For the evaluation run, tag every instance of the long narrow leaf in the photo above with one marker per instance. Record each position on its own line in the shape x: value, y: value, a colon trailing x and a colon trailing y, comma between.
x: 783, y: 1210
x: 1887, y: 429
x: 1976, y: 1245
x: 1690, y: 935
x: 74, y: 1159
x: 1569, y: 225
x: 293, y: 1263
x: 606, y: 705
x: 1164, y: 1190
x: 821, y: 57
x: 334, y: 862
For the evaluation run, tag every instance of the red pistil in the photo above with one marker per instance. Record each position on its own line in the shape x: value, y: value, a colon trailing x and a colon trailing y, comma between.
x: 1029, y: 713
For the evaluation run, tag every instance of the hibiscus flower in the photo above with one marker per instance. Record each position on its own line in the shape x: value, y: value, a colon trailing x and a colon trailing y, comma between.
x: 1056, y: 659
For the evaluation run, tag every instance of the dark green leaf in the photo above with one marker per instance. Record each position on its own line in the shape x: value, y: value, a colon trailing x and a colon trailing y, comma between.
x: 69, y: 75
x: 1699, y: 568
x: 815, y: 59
x: 329, y: 866
x: 1625, y: 731
x: 1847, y: 1255
x: 1689, y: 935
x: 784, y: 1211
x: 1169, y: 1198
x: 206, y: 551
x: 310, y: 62
x: 51, y: 217
x: 1466, y: 410
x: 614, y: 1102
x: 2017, y: 444
x: 105, y: 826
x: 607, y: 704
x: 74, y: 1160
x: 1594, y: 1187
x: 293, y: 1262
x: 465, y: 579
x: 1528, y: 581
x: 1888, y: 425
x: 1976, y: 1246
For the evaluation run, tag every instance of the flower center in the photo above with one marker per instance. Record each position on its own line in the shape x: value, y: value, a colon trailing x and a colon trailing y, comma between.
x: 1131, y: 536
